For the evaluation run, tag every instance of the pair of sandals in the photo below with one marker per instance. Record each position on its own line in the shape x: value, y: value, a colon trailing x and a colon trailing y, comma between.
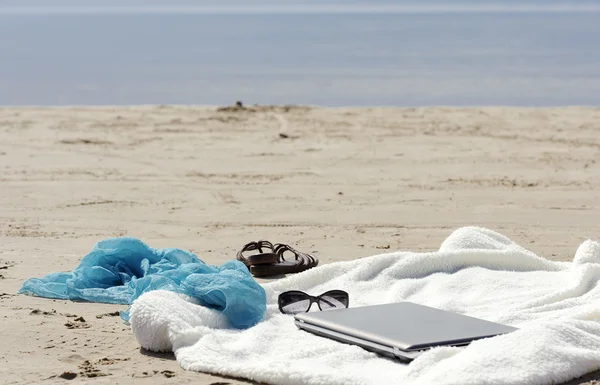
x: 270, y: 259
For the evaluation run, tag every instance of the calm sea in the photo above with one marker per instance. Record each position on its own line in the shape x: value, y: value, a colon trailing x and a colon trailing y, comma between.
x: 533, y: 58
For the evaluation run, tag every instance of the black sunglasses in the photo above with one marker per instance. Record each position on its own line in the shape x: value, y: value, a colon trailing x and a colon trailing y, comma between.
x: 294, y: 302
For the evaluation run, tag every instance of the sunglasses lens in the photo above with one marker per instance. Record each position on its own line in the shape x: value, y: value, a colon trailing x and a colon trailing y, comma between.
x: 334, y: 300
x: 294, y: 303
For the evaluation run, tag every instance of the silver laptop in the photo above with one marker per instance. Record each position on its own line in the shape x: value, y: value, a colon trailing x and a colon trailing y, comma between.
x: 401, y: 330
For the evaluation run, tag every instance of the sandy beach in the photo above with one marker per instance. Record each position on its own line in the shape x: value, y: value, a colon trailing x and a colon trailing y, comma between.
x: 339, y: 183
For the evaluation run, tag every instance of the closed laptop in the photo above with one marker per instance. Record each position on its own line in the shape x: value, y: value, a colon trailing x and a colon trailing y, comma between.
x: 402, y: 330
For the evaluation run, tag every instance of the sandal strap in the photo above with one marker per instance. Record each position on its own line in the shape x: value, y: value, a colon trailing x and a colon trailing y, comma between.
x: 302, y: 258
x: 254, y: 245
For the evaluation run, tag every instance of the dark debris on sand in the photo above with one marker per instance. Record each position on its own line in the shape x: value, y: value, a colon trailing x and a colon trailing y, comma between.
x: 38, y: 311
x: 79, y: 325
x: 113, y: 314
x: 240, y: 107
x: 68, y: 376
x: 237, y: 107
x: 85, y: 141
x: 87, y: 369
x: 166, y: 373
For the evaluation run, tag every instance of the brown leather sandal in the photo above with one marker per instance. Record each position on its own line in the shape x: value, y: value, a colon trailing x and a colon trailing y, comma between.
x: 301, y: 262
x: 258, y: 259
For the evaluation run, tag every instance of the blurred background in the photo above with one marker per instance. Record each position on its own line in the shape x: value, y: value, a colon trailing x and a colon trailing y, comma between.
x: 331, y: 53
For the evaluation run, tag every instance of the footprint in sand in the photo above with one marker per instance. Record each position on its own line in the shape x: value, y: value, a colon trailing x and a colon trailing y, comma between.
x: 4, y: 265
x: 87, y: 369
x: 166, y: 373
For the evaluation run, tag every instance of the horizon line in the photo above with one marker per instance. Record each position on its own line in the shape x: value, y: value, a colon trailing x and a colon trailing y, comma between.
x: 291, y: 9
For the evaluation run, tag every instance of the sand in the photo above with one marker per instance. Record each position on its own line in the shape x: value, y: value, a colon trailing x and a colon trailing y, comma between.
x: 341, y: 183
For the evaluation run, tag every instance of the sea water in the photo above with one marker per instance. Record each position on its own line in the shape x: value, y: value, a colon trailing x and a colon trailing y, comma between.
x: 319, y: 56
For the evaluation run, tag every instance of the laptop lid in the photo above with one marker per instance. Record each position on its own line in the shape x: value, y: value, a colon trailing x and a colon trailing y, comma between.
x: 405, y: 325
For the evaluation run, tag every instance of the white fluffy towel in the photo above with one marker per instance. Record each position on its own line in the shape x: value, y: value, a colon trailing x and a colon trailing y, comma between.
x: 478, y: 272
